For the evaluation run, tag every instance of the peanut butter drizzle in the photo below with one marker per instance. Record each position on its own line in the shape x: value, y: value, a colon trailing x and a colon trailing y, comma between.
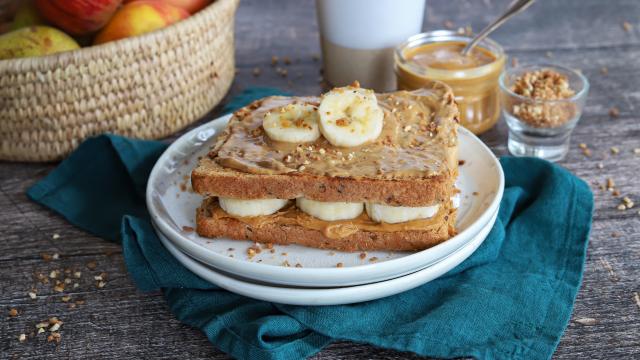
x: 418, y: 140
x: 291, y: 215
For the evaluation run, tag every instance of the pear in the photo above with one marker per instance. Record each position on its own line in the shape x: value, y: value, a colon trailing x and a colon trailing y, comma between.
x: 35, y: 41
x: 27, y: 15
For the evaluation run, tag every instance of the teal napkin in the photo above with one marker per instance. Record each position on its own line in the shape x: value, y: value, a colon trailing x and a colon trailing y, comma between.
x: 511, y: 299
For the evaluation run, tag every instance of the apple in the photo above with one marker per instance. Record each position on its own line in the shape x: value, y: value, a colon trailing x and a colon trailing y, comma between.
x: 192, y: 6
x: 5, y: 27
x: 139, y: 17
x: 78, y: 17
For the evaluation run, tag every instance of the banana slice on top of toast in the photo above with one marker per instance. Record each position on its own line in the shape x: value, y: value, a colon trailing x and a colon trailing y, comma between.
x: 296, y: 123
x: 350, y: 116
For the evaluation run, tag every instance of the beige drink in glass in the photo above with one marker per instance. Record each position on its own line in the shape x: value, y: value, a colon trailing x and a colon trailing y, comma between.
x: 358, y: 38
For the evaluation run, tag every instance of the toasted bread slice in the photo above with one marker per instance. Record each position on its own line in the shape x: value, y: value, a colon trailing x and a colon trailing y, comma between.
x: 294, y: 227
x: 413, y: 162
x: 213, y: 180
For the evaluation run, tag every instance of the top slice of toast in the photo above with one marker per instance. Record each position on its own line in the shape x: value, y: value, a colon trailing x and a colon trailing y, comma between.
x: 412, y: 163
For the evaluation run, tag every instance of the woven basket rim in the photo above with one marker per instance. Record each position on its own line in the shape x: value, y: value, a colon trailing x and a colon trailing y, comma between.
x: 50, y: 61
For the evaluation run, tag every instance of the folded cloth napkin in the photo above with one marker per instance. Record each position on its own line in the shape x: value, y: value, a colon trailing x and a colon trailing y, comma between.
x: 511, y: 299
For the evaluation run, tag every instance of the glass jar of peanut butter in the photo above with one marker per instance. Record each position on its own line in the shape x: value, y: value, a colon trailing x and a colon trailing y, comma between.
x: 436, y: 55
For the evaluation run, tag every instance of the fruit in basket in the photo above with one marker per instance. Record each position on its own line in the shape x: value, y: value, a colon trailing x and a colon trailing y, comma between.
x: 27, y: 15
x: 192, y: 6
x: 35, y: 41
x: 140, y: 17
x: 4, y: 27
x: 78, y: 17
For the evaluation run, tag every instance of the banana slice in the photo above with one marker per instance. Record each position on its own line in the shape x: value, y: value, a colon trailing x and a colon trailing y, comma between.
x: 245, y: 208
x: 456, y: 200
x: 397, y: 214
x: 350, y: 116
x: 297, y: 123
x: 330, y: 211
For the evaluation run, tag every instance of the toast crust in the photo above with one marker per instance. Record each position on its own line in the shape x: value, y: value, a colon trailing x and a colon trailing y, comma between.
x: 285, y: 233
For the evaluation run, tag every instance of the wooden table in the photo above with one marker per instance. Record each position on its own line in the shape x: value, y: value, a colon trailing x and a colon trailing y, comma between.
x: 119, y: 322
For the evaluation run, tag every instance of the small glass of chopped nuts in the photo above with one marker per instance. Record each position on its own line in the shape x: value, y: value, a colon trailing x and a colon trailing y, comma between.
x: 542, y: 105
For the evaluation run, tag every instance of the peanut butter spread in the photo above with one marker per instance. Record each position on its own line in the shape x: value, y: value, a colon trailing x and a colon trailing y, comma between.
x: 448, y: 56
x: 418, y: 140
x: 291, y: 215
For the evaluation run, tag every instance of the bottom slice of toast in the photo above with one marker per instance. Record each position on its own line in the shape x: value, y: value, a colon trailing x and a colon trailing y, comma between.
x: 211, y: 221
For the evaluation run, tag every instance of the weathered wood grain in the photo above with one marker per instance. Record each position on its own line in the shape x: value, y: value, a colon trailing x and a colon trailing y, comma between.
x: 118, y: 322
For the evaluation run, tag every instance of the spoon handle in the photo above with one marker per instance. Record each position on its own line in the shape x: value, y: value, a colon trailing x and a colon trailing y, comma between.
x: 515, y: 7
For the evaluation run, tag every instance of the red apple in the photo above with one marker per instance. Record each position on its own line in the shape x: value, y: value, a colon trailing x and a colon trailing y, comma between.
x: 192, y: 6
x: 140, y: 17
x: 78, y: 17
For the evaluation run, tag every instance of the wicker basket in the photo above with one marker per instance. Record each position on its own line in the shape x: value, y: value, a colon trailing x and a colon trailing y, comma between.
x: 147, y: 87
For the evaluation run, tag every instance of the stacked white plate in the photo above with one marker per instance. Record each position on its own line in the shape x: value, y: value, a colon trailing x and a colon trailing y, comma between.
x: 300, y: 275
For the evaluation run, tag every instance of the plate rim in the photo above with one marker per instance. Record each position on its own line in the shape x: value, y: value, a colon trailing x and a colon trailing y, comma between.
x: 224, y: 263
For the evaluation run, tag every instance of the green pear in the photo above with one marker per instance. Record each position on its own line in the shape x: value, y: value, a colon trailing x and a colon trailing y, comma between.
x: 27, y: 15
x: 35, y: 41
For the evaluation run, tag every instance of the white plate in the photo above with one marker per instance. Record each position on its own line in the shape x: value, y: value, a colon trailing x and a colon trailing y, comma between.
x: 330, y: 296
x: 173, y: 211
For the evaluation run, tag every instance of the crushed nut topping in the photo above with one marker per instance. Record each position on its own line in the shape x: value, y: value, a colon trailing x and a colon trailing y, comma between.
x: 614, y: 112
x: 54, y: 337
x: 627, y: 202
x: 545, y: 84
x: 610, y: 184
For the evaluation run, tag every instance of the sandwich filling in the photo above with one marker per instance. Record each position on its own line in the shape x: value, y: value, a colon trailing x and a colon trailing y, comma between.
x: 292, y: 215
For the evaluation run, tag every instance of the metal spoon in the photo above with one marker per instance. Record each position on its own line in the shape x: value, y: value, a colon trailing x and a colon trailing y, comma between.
x: 515, y: 7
